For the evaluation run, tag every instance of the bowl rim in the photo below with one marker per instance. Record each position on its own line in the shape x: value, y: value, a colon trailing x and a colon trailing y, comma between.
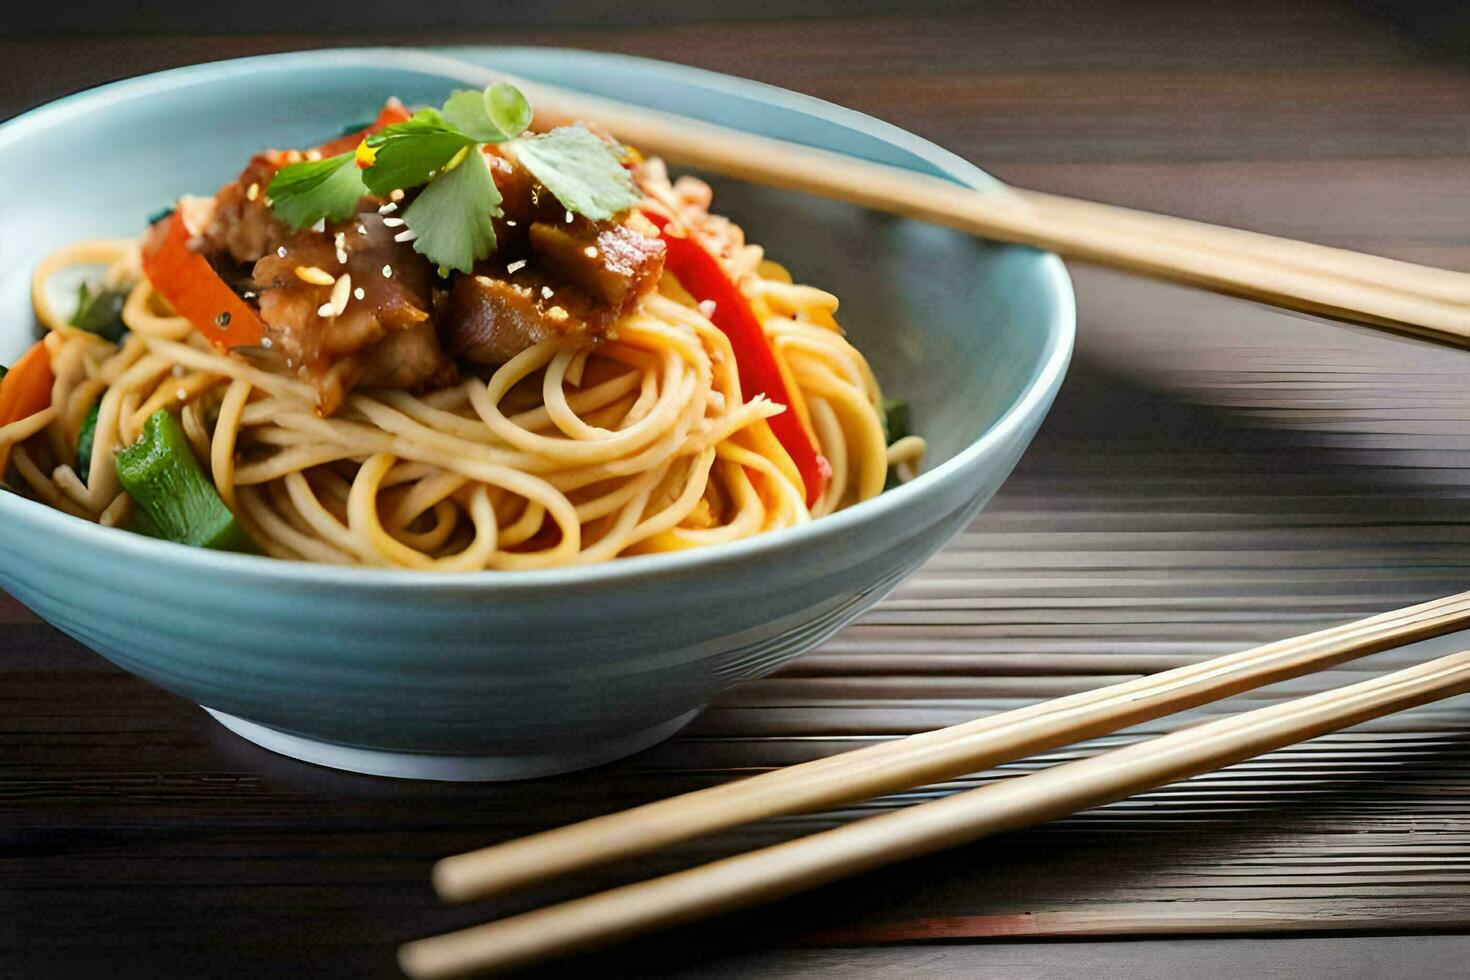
x: 1032, y: 401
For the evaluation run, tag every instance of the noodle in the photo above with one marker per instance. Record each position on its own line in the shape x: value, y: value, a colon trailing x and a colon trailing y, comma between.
x: 566, y: 454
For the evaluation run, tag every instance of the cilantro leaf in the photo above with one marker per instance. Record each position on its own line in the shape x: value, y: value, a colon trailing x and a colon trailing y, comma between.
x: 451, y: 217
x: 581, y: 170
x: 304, y: 193
x: 100, y: 312
x: 408, y: 153
x: 497, y: 114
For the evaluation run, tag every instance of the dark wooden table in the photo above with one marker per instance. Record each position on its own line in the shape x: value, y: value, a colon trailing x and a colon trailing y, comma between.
x: 1215, y: 474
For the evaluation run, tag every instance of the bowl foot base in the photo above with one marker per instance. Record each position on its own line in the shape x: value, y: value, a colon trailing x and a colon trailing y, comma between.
x: 448, y: 768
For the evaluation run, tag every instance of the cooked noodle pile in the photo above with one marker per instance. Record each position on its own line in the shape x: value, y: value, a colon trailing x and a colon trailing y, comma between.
x: 642, y: 442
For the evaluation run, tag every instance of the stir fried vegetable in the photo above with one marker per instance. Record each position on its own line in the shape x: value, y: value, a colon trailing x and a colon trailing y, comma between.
x: 85, y: 438
x: 700, y: 274
x: 894, y: 414
x: 100, y: 312
x: 197, y: 293
x: 164, y: 479
x: 24, y: 390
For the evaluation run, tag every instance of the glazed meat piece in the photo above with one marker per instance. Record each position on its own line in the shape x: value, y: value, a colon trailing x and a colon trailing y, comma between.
x: 490, y: 319
x: 615, y: 264
x: 382, y: 336
x: 242, y: 227
x: 573, y: 279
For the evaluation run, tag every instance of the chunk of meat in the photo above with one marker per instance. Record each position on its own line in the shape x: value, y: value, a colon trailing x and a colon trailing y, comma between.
x: 617, y: 264
x: 573, y: 277
x: 243, y: 228
x: 490, y: 319
x: 384, y: 337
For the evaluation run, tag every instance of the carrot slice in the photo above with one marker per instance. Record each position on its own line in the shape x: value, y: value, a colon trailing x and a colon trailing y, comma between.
x: 189, y: 283
x: 24, y: 391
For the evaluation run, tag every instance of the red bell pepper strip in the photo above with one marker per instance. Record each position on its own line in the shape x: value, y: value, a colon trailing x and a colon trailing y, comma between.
x: 702, y: 276
x: 391, y: 114
x: 183, y: 277
x: 24, y: 391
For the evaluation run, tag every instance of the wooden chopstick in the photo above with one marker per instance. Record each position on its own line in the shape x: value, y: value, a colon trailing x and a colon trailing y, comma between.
x: 932, y: 756
x: 775, y: 872
x: 1400, y: 296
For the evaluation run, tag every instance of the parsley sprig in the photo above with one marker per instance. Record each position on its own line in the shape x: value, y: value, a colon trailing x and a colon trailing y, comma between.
x: 440, y: 148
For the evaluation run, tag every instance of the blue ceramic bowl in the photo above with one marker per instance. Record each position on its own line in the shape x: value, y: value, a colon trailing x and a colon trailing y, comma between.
x: 511, y: 674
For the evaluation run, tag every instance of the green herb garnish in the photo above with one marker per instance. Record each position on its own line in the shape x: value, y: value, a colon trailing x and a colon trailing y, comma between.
x: 411, y: 153
x: 316, y: 190
x: 495, y: 115
x: 451, y: 218
x: 581, y: 171
x: 100, y: 312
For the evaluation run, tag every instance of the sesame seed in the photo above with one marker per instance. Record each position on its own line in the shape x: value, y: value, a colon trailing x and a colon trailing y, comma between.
x: 340, y: 239
x: 361, y: 230
x: 590, y: 251
x: 248, y: 294
x: 515, y: 267
x: 395, y: 195
x: 281, y: 251
x: 556, y: 314
x: 289, y: 363
x: 341, y: 293
x: 179, y: 371
x: 392, y: 222
x: 313, y: 155
x: 387, y: 272
x: 267, y: 343
x: 546, y: 292
x: 388, y: 208
x: 320, y: 226
x: 707, y: 307
x: 569, y: 217
x: 252, y: 192
x: 510, y: 222
x: 358, y: 293
x: 313, y: 275
x: 341, y: 256
x: 324, y: 311
x: 269, y: 203
x: 182, y: 395
x: 406, y: 235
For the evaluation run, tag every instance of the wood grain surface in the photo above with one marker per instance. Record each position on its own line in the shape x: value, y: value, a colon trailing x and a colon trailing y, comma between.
x: 1215, y: 475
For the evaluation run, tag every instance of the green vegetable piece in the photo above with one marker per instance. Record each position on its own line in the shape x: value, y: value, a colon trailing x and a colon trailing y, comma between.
x: 85, y: 438
x: 497, y: 114
x: 408, y: 154
x: 581, y: 171
x: 100, y: 312
x: 894, y: 413
x: 451, y: 217
x: 316, y: 190
x: 164, y: 479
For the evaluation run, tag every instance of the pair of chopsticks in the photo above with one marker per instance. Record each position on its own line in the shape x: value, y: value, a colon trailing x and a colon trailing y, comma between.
x: 775, y: 872
x: 1338, y: 283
